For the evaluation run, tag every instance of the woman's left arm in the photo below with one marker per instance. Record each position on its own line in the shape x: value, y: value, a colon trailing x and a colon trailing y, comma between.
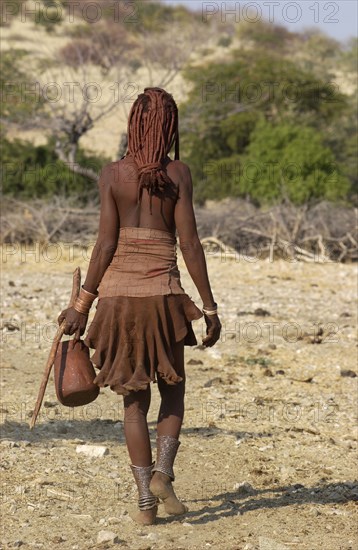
x: 108, y: 232
x: 102, y: 253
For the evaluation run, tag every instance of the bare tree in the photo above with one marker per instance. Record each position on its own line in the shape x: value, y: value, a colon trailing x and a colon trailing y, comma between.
x: 83, y: 102
x: 164, y: 55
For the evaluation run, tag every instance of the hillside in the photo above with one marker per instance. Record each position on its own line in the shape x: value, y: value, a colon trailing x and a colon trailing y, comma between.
x: 213, y: 43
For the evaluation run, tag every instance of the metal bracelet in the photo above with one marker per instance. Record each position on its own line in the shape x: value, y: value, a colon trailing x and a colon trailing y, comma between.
x: 81, y: 306
x: 210, y: 312
x: 88, y: 294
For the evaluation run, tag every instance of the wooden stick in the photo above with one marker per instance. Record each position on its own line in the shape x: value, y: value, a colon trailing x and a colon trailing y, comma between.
x: 76, y: 286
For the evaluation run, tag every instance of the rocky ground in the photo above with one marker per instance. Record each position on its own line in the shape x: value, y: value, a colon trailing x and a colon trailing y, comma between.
x: 269, y: 441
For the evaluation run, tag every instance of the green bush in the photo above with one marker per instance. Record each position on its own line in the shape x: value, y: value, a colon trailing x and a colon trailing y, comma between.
x: 265, y: 35
x: 15, y: 104
x: 282, y: 161
x: 259, y: 107
x: 225, y: 41
x: 30, y: 171
x: 49, y: 16
x: 151, y: 16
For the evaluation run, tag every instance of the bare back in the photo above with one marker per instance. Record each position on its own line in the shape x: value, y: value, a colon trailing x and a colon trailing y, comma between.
x: 173, y: 212
x: 125, y: 191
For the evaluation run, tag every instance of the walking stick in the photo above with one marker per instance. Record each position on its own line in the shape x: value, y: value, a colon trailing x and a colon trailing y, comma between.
x: 76, y: 286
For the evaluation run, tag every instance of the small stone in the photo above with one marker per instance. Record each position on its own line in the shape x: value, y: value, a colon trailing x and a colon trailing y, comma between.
x: 152, y: 536
x: 260, y: 312
x: 11, y: 283
x: 58, y: 539
x: 93, y: 451
x: 50, y: 404
x: 271, y: 544
x: 280, y: 371
x: 244, y: 488
x: 186, y: 524
x: 217, y: 380
x: 241, y: 313
x: 268, y: 372
x: 10, y: 326
x: 18, y: 543
x: 107, y: 536
x: 214, y: 353
x: 194, y: 362
x: 349, y: 373
x: 113, y: 520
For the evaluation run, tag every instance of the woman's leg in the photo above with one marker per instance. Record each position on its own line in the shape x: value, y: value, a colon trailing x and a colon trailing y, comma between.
x: 136, y: 406
x: 171, y: 412
x: 169, y: 424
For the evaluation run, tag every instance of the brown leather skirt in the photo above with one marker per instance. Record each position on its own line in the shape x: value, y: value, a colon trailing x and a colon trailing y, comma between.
x: 133, y: 339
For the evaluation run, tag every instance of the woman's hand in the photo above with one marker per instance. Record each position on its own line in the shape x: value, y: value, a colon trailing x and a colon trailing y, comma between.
x: 213, y: 328
x: 75, y: 322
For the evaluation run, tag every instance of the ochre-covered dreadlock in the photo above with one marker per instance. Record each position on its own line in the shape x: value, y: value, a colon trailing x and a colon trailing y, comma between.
x: 151, y: 137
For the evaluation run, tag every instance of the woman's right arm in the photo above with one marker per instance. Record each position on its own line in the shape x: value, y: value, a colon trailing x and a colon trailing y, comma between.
x: 192, y: 250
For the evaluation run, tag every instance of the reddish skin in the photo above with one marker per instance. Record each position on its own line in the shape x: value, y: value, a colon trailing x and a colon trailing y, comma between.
x: 118, y: 187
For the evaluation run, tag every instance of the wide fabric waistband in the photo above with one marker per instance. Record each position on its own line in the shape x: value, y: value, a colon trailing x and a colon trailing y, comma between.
x: 144, y: 264
x: 148, y: 233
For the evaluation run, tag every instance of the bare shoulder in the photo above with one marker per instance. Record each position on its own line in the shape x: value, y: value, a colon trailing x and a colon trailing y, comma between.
x: 108, y: 169
x: 180, y: 166
x: 111, y: 172
x: 183, y: 173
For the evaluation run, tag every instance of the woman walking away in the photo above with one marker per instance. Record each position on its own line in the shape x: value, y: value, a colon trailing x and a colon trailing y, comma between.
x: 143, y: 315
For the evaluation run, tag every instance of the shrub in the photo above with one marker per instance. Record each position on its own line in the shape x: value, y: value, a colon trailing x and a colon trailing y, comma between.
x: 34, y: 171
x: 282, y: 161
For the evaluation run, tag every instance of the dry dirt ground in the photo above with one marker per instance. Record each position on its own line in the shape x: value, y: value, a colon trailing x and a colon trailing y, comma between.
x: 268, y: 454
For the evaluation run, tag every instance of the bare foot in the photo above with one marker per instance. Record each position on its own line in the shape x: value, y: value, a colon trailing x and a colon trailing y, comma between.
x: 161, y: 487
x: 145, y: 517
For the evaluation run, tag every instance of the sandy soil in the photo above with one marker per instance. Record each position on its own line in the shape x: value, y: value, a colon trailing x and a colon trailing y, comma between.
x: 268, y: 454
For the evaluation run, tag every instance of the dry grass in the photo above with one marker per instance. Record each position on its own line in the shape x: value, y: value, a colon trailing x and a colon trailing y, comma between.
x: 323, y: 232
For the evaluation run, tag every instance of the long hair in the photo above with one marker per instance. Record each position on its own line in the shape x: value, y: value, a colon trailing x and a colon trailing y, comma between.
x: 151, y: 137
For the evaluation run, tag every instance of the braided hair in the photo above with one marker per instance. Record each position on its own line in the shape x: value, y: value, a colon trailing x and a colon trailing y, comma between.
x: 151, y: 137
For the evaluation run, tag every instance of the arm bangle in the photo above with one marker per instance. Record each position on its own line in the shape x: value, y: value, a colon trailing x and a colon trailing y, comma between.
x: 210, y: 311
x: 78, y: 306
x: 84, y: 301
x: 89, y: 294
